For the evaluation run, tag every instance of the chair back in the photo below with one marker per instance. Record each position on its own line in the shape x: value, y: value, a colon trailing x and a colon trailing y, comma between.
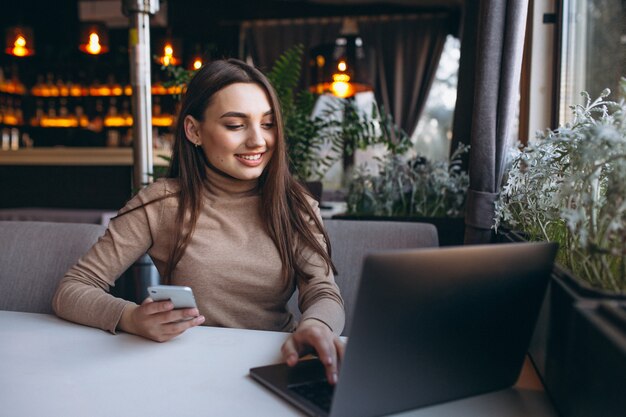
x: 351, y: 240
x: 34, y: 256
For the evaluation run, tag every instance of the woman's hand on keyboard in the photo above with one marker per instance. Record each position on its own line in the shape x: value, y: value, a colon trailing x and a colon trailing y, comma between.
x: 314, y: 336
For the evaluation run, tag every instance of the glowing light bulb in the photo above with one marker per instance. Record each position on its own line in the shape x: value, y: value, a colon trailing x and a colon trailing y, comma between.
x: 342, y: 66
x: 320, y: 60
x: 93, y: 46
x: 341, y: 87
x: 197, y: 64
x: 168, y: 55
x: 19, y: 46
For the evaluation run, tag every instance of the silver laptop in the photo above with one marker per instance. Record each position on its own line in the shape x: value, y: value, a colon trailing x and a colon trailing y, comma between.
x: 430, y: 326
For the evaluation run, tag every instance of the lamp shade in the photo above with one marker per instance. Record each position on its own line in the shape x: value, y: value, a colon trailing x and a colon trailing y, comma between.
x: 342, y: 69
x: 94, y: 38
x: 20, y: 41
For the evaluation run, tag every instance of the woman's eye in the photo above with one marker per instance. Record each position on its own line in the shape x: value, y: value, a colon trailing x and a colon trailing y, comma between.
x: 267, y: 125
x: 234, y: 127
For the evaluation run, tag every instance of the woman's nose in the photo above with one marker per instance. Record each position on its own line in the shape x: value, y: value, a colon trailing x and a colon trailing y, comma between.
x: 255, y: 138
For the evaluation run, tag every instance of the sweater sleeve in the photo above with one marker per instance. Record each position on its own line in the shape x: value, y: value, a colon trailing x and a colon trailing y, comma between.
x: 83, y: 294
x: 319, y: 297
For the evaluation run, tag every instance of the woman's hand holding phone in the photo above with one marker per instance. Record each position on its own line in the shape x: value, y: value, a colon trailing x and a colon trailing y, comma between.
x: 158, y: 320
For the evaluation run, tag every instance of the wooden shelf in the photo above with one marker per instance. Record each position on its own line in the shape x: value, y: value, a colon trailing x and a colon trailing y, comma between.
x: 75, y: 156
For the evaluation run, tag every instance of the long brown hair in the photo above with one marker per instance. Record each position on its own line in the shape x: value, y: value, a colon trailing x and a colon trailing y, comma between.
x: 284, y: 205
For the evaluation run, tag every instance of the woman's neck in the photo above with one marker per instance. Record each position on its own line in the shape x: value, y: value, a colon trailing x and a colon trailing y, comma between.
x: 223, y: 184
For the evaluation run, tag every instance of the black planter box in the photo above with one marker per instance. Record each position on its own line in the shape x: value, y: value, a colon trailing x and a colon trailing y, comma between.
x: 450, y: 231
x: 579, y: 354
x: 594, y: 373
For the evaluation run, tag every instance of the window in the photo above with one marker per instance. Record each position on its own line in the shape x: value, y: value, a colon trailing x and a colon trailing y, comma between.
x: 434, y: 129
x: 593, y: 51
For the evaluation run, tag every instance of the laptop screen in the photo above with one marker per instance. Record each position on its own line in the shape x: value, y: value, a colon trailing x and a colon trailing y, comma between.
x: 433, y: 325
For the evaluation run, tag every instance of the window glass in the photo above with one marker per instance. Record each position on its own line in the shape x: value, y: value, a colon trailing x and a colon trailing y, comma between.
x: 434, y: 129
x: 592, y: 51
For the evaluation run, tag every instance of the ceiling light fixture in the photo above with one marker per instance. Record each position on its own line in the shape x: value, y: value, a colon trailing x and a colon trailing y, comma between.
x: 94, y: 38
x: 20, y: 41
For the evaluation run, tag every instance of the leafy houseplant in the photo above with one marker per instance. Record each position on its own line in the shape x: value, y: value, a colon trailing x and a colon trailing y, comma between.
x: 569, y: 186
x: 312, y: 149
x: 412, y: 188
x: 405, y: 186
x: 316, y: 142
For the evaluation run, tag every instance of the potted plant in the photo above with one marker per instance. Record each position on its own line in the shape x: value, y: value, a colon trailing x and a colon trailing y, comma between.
x: 412, y: 188
x: 569, y: 186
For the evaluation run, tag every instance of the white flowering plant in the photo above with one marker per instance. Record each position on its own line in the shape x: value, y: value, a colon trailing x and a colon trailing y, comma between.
x: 569, y: 186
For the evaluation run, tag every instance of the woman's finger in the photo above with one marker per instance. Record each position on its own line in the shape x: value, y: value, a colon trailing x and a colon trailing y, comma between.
x: 290, y: 351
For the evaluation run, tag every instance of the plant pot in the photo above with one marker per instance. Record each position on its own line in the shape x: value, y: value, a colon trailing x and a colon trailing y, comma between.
x: 450, y: 231
x: 594, y: 374
x: 570, y: 345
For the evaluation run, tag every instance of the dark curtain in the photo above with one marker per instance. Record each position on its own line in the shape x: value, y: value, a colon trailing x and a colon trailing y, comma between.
x: 407, y: 53
x: 265, y: 41
x: 489, y: 73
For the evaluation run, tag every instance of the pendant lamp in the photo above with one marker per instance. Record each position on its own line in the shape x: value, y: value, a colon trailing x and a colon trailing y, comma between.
x: 169, y: 51
x: 20, y: 41
x: 94, y: 38
x: 343, y: 68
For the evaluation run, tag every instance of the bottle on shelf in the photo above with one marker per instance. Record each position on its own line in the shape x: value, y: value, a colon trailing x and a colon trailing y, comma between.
x: 9, y: 116
x: 126, y: 114
x: 113, y: 119
x: 15, y: 139
x: 52, y: 111
x: 10, y: 82
x: 51, y: 87
x: 37, y: 89
x: 5, y: 143
x: 39, y: 113
x: 156, y: 106
x: 75, y: 89
x: 19, y: 113
x: 63, y: 87
x: 63, y: 112
x: 81, y: 117
x: 114, y: 86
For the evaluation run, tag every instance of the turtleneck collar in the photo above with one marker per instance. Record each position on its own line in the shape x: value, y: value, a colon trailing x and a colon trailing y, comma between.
x: 221, y: 184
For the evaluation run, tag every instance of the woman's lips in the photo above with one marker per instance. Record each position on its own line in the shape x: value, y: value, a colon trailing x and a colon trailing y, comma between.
x: 250, y: 159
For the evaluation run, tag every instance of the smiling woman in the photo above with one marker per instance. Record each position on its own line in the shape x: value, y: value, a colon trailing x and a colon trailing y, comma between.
x: 237, y: 132
x: 229, y: 221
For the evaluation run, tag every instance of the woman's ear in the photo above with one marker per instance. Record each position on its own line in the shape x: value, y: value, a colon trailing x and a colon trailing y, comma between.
x: 192, y: 130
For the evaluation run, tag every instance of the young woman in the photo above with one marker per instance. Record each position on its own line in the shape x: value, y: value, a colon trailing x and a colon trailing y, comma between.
x: 229, y: 221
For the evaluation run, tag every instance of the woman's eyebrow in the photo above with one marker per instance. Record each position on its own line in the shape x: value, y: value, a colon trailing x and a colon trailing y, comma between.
x: 234, y: 114
x: 243, y: 115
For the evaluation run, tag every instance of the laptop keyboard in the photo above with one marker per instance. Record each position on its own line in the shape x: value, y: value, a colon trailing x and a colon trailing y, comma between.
x: 319, y: 393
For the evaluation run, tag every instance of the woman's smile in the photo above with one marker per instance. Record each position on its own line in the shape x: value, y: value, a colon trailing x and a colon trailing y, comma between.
x: 250, y: 159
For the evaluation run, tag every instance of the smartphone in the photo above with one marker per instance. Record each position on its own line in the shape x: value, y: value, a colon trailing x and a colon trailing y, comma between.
x: 181, y: 297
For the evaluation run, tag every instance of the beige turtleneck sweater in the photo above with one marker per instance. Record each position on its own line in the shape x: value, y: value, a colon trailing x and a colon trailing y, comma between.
x: 231, y: 263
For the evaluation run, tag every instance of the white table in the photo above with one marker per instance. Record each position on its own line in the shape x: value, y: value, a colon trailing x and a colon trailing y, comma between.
x: 50, y: 367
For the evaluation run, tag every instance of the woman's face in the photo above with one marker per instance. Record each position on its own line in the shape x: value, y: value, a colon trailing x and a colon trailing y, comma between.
x: 238, y: 133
